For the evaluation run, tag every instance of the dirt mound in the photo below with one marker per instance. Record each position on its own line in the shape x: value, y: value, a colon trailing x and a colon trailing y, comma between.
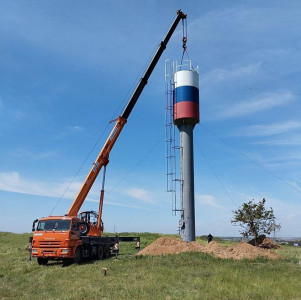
x: 238, y: 251
x: 166, y: 245
x: 260, y: 239
x: 245, y: 250
x: 264, y: 242
x: 269, y: 244
x: 216, y: 249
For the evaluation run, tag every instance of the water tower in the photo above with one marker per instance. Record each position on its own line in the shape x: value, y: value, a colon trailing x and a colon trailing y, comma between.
x: 185, y: 99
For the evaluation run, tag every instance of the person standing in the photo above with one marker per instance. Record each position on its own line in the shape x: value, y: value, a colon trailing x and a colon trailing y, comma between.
x: 209, y: 238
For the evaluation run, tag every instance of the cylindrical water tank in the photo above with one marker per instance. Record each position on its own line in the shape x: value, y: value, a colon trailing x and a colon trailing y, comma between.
x: 186, y: 97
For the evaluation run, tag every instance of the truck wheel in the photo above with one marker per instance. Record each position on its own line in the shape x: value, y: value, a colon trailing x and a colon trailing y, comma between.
x: 84, y: 228
x: 100, y: 252
x: 78, y: 257
x: 42, y: 260
x: 107, y: 252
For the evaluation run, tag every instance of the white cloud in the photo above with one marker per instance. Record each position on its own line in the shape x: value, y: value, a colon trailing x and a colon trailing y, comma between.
x: 269, y: 129
x: 127, y: 205
x: 217, y: 75
x: 208, y: 200
x: 140, y: 194
x: 75, y: 40
x: 13, y: 182
x: 262, y: 103
x: 25, y: 153
x: 71, y: 129
x: 292, y: 216
x: 289, y: 140
x: 75, y: 128
x: 44, y: 155
x: 288, y: 162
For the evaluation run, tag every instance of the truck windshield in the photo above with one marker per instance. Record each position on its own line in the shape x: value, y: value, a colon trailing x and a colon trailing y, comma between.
x: 56, y: 225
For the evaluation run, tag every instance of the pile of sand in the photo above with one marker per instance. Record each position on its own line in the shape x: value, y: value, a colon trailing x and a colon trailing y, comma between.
x: 166, y: 245
x: 245, y: 250
x: 216, y: 249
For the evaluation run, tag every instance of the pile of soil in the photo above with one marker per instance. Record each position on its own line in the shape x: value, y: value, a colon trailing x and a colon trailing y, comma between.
x: 167, y: 245
x: 245, y: 250
x: 260, y: 239
x: 238, y: 251
x: 269, y: 244
x: 216, y: 249
x: 265, y: 243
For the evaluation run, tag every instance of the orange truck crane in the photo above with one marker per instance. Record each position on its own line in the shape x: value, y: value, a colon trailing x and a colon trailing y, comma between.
x: 76, y: 236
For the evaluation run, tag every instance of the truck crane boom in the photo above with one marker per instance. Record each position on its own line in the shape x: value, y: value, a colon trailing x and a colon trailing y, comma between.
x: 101, y: 160
x: 103, y: 157
x: 75, y: 237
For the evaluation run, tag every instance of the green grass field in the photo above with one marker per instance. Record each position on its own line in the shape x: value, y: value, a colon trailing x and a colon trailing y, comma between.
x: 182, y: 276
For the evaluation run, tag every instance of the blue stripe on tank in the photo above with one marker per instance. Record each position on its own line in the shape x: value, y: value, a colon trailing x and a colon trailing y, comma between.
x: 186, y: 93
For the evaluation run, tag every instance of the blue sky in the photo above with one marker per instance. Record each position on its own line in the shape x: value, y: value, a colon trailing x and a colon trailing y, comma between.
x: 67, y: 68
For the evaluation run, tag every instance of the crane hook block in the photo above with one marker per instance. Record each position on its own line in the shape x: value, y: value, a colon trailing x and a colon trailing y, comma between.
x: 184, y: 43
x: 181, y: 14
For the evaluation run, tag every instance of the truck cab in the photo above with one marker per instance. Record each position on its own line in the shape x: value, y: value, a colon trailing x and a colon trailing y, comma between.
x: 56, y: 237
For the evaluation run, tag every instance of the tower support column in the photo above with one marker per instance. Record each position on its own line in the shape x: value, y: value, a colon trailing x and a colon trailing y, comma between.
x: 186, y: 116
x: 187, y: 222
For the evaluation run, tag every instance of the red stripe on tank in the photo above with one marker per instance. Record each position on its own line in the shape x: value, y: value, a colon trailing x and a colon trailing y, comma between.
x: 186, y: 109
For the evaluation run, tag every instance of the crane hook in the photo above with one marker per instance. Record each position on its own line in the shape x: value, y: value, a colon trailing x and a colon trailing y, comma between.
x: 184, y: 43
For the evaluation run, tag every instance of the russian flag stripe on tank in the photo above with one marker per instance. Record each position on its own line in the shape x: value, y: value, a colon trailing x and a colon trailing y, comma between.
x: 187, y: 93
x: 185, y: 109
x: 186, y: 97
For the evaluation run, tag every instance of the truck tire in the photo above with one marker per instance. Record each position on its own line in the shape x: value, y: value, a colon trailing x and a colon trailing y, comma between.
x: 78, y: 256
x: 84, y: 228
x: 107, y: 252
x: 42, y: 261
x: 100, y: 252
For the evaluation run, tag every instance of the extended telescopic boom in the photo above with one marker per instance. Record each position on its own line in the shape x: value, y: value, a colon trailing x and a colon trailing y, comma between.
x: 149, y: 70
x: 103, y: 157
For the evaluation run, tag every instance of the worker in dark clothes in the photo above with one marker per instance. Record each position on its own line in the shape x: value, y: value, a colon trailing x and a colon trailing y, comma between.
x: 209, y: 238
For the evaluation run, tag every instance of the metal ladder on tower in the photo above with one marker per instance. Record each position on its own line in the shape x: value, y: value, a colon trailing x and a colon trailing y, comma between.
x: 171, y: 149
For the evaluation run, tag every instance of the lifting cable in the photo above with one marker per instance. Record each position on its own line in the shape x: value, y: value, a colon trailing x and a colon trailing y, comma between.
x: 184, y: 39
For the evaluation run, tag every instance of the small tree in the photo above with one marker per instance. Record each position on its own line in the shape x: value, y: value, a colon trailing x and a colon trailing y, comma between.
x: 255, y: 219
